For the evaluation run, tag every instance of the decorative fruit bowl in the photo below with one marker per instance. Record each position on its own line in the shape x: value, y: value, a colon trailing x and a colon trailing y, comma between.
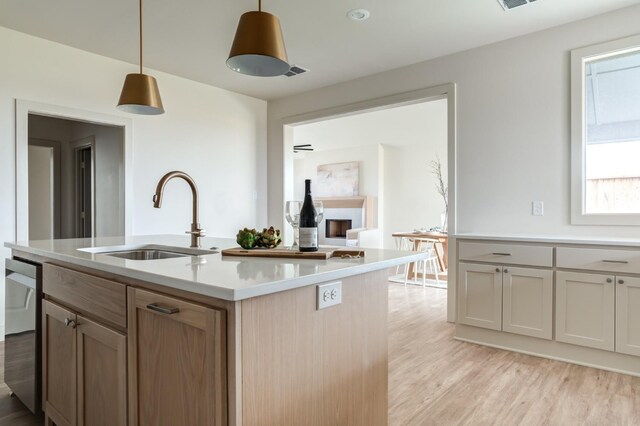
x: 250, y: 238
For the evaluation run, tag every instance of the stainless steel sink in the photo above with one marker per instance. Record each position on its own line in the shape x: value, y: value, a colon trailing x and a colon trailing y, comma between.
x: 145, y: 254
x: 149, y: 251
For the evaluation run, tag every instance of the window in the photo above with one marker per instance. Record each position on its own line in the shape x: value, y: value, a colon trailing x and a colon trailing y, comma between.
x: 605, y: 90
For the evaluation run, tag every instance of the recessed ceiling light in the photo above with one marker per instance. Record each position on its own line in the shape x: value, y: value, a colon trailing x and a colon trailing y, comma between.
x: 358, y: 14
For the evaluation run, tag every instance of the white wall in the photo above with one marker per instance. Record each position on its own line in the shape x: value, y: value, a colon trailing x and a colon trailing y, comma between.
x: 513, y: 125
x: 215, y: 135
x: 306, y: 167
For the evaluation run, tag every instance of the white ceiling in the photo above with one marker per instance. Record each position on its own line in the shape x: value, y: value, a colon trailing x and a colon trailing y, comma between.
x: 191, y: 38
x: 398, y: 126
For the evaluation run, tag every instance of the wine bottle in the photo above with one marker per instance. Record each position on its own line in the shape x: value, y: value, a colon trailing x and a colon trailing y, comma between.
x: 308, y: 224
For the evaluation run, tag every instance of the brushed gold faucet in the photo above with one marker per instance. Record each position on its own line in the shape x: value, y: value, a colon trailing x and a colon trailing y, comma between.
x: 195, y: 232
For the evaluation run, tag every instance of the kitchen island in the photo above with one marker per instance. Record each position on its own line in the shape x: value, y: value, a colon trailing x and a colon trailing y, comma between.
x: 210, y: 339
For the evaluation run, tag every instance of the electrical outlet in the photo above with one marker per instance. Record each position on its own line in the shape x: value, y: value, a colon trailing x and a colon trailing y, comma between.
x: 537, y: 208
x: 329, y: 295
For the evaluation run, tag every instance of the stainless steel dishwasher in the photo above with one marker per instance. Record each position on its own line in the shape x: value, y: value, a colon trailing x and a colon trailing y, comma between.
x: 23, y: 334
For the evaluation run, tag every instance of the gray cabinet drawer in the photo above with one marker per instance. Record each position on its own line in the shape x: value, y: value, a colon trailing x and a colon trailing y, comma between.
x: 597, y: 259
x: 506, y: 254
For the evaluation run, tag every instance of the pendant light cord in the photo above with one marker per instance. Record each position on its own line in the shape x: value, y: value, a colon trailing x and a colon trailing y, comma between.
x: 259, y: 5
x: 140, y: 36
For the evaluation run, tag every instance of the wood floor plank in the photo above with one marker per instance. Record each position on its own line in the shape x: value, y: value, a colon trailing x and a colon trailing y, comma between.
x: 435, y: 380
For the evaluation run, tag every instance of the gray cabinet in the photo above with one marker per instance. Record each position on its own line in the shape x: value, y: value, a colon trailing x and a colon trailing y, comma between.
x: 585, y: 309
x: 527, y: 301
x: 628, y: 315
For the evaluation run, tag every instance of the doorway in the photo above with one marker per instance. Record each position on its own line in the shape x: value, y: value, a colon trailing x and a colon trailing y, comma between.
x: 120, y: 166
x: 67, y: 161
x: 448, y: 159
x: 394, y: 157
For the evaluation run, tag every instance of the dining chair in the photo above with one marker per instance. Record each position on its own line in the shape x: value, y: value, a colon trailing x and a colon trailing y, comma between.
x: 424, y: 245
x: 403, y: 244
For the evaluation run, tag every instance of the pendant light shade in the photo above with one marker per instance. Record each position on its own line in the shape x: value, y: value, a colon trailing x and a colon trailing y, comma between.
x: 258, y: 47
x: 140, y: 94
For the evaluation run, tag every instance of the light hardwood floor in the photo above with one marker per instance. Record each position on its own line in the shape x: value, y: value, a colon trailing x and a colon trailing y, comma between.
x: 435, y: 380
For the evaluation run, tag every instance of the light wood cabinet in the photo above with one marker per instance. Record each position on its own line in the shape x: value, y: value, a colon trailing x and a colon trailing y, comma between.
x: 528, y: 301
x: 176, y: 361
x: 102, y: 375
x: 480, y: 295
x: 585, y: 309
x: 84, y: 370
x: 59, y: 364
x: 628, y: 315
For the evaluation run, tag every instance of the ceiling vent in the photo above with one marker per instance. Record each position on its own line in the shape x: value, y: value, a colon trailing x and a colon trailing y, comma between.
x: 512, y: 4
x: 295, y: 70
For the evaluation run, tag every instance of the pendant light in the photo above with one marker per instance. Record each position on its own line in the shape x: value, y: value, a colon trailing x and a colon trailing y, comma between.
x: 258, y: 47
x: 140, y: 94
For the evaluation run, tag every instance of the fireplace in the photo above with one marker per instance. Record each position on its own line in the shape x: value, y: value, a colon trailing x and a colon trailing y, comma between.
x: 337, y: 228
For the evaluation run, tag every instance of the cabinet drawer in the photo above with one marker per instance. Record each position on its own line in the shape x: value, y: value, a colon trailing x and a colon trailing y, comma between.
x: 596, y: 259
x: 192, y: 314
x: 504, y: 254
x: 88, y: 294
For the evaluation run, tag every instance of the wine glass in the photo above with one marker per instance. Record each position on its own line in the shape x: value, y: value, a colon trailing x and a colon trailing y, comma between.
x: 319, y: 211
x: 292, y: 214
x: 317, y: 205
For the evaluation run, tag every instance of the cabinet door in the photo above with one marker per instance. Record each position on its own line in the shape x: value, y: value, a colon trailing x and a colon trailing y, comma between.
x: 102, y: 369
x: 176, y: 362
x: 59, y: 363
x: 528, y: 302
x: 480, y: 289
x: 628, y: 315
x: 585, y: 305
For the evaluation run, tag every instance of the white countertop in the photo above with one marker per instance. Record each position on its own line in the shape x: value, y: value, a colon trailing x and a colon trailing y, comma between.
x: 552, y: 239
x: 228, y: 277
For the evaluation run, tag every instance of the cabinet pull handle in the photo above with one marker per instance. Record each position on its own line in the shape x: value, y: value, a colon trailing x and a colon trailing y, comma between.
x: 497, y: 269
x: 69, y: 323
x: 623, y: 262
x: 609, y: 280
x: 163, y: 309
x: 620, y: 281
x: 501, y: 254
x: 506, y: 271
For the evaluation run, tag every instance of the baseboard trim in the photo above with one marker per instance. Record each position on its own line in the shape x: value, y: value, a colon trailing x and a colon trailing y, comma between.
x: 558, y: 351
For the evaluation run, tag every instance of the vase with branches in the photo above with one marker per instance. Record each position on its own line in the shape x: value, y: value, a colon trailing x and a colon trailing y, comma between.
x: 441, y: 187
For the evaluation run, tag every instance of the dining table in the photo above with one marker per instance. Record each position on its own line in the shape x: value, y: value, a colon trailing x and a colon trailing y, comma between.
x: 441, y: 250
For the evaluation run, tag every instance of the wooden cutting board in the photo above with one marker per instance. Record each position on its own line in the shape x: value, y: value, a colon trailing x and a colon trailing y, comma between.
x: 322, y: 253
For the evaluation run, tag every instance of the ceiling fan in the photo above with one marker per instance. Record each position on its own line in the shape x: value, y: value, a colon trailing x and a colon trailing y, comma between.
x: 305, y: 147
